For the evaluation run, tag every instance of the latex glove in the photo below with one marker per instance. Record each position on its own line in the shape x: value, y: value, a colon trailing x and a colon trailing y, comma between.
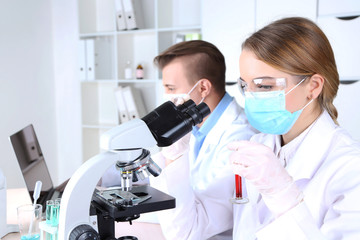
x: 259, y: 165
x: 177, y: 149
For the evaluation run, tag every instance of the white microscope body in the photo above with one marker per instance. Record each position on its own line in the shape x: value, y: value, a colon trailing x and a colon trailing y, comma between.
x: 75, y: 202
x: 124, y: 147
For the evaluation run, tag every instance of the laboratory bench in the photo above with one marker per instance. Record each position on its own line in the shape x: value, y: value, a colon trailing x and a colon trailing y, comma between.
x: 141, y: 230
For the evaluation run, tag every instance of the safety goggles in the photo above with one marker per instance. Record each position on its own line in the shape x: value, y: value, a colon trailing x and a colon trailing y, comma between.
x: 267, y: 84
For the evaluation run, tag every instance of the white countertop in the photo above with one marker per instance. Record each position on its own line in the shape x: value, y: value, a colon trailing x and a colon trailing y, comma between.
x: 141, y: 230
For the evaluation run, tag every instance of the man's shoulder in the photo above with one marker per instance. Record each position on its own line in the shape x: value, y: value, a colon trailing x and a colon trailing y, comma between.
x: 234, y: 123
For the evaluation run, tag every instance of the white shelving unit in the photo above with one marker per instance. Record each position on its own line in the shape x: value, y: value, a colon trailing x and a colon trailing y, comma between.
x: 163, y: 20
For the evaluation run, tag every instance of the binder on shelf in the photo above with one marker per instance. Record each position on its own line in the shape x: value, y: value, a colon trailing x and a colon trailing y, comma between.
x: 90, y: 59
x: 82, y: 60
x: 103, y: 58
x: 121, y: 105
x: 120, y: 15
x: 133, y: 14
x: 104, y: 15
x: 134, y: 102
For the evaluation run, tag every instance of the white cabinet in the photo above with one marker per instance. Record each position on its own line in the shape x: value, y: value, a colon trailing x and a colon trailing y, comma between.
x: 339, y: 8
x: 347, y: 105
x: 227, y: 24
x: 269, y: 11
x: 341, y: 24
x: 162, y: 21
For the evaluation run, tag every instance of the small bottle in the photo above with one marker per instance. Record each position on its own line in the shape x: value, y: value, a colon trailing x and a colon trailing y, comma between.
x: 128, y: 70
x: 139, y: 72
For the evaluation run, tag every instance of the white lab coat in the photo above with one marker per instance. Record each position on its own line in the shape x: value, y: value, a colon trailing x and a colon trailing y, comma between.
x: 203, y: 186
x: 326, y: 167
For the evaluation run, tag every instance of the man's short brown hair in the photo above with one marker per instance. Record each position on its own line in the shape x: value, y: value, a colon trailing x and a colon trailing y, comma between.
x: 201, y: 59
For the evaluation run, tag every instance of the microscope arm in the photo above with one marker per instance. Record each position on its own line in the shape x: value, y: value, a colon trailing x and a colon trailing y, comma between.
x: 76, y: 199
x: 128, y: 135
x: 124, y: 143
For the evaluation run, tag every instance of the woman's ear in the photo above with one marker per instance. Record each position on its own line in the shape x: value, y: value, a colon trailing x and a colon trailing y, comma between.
x: 315, y: 86
x: 205, y: 87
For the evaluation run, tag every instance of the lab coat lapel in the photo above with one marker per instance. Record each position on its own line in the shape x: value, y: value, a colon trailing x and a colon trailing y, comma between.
x: 214, y: 136
x: 306, y: 161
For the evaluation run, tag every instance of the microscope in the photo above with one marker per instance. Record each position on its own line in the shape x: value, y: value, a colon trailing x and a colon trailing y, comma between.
x: 125, y: 146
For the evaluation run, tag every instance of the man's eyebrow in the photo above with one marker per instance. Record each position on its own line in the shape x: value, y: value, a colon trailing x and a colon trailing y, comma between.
x: 169, y: 85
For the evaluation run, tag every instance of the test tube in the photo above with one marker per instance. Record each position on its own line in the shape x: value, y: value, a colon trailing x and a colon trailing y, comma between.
x: 238, y: 186
x: 238, y: 199
x: 49, y: 206
x: 55, y: 212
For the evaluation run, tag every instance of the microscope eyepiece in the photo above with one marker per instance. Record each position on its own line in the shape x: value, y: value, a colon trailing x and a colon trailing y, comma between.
x: 168, y: 123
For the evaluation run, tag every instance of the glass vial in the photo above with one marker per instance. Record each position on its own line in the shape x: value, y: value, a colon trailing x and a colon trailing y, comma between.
x: 128, y: 70
x: 139, y: 72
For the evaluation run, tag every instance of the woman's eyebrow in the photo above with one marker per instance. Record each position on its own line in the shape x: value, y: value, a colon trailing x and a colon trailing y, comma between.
x: 263, y: 77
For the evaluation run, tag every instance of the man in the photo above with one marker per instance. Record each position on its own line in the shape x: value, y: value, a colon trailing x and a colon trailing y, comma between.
x: 196, y: 168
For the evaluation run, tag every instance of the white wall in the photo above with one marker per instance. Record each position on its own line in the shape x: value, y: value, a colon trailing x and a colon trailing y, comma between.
x: 26, y: 73
x: 38, y: 83
x: 67, y: 85
x: 227, y: 24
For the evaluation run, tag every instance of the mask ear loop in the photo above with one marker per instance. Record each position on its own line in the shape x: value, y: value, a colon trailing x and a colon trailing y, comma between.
x: 296, y: 85
x: 192, y: 89
x: 307, y: 104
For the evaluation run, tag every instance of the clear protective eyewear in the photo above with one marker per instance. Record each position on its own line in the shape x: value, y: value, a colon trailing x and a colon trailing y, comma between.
x: 266, y: 84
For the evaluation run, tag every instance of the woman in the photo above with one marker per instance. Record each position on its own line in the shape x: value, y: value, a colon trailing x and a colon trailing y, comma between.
x: 302, y: 172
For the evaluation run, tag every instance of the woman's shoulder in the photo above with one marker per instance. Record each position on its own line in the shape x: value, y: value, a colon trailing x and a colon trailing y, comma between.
x: 344, y: 144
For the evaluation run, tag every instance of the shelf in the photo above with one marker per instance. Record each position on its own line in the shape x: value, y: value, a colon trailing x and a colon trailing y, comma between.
x: 136, y: 31
x: 106, y: 51
x: 120, y: 81
x: 177, y: 29
x: 139, y: 31
x: 105, y: 126
x: 97, y: 34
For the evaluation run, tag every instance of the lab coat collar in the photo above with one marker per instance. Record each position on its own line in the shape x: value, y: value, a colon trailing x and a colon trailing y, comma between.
x: 309, y: 156
x: 215, y: 133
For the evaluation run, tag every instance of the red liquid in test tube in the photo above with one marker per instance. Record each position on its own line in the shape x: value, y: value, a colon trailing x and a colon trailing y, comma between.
x: 238, y: 187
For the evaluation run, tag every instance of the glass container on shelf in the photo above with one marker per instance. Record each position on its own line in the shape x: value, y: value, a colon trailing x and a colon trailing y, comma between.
x: 128, y: 70
x: 139, y: 72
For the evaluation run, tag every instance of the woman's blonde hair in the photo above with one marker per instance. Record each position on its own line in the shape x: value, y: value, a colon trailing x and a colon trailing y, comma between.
x: 299, y: 47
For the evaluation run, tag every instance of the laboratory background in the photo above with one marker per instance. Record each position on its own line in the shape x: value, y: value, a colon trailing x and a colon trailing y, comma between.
x: 67, y: 66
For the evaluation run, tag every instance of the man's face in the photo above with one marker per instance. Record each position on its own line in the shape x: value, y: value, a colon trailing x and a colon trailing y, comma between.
x: 174, y: 78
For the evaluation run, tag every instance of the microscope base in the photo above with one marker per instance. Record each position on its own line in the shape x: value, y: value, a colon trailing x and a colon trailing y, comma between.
x: 108, y: 213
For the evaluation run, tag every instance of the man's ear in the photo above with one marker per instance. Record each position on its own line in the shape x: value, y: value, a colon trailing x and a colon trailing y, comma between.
x: 205, y: 87
x: 315, y: 86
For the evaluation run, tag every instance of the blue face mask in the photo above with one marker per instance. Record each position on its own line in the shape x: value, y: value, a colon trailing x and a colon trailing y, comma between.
x: 266, y: 111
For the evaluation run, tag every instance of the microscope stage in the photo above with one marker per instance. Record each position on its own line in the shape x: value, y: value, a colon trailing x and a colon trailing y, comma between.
x: 120, y: 205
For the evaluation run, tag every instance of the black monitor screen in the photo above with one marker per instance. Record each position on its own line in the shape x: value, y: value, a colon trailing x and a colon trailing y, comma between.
x: 31, y: 159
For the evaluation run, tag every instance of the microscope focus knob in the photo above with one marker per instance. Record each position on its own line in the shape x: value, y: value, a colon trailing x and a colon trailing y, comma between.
x: 84, y: 232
